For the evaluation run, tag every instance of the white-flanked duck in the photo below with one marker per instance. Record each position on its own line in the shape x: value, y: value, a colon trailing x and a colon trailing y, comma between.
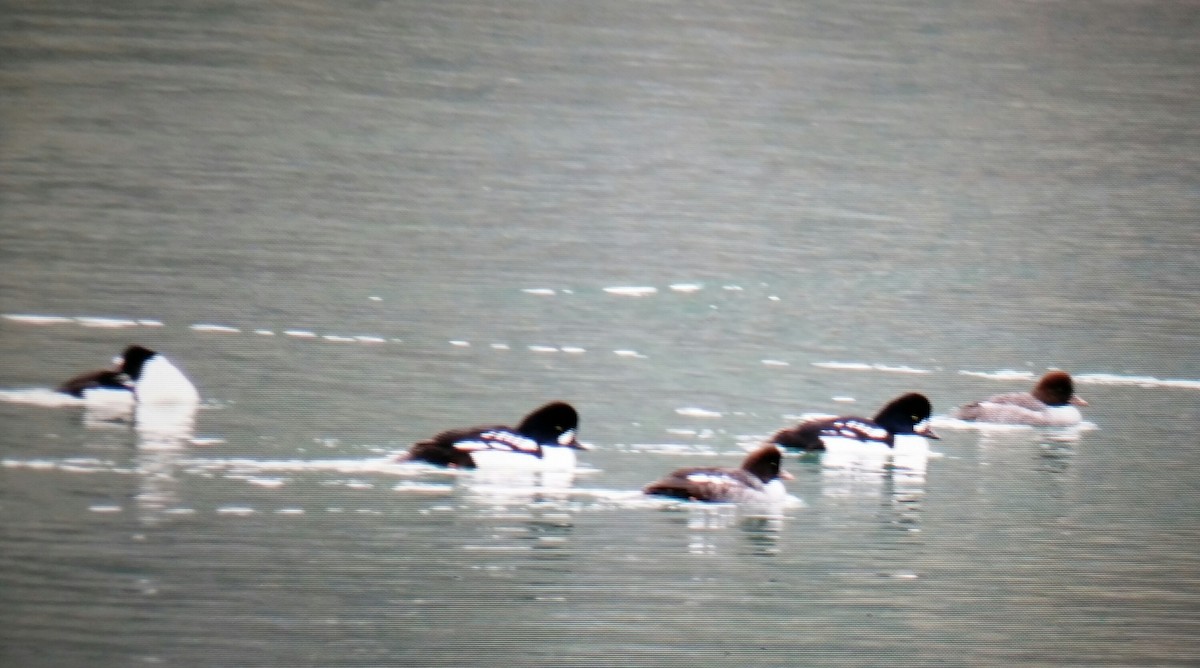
x: 900, y: 428
x: 545, y: 439
x: 143, y: 375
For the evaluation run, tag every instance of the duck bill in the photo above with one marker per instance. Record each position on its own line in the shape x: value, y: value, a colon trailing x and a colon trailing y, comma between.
x: 567, y: 440
x: 784, y: 475
x: 926, y: 431
x: 1077, y: 401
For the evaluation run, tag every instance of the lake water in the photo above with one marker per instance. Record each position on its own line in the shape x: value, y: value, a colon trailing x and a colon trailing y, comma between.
x: 356, y: 224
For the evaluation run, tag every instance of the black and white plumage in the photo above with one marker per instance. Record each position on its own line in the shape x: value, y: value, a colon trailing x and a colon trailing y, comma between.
x: 759, y: 479
x: 102, y: 379
x: 901, y: 425
x: 1051, y: 403
x: 546, y: 438
x: 143, y: 375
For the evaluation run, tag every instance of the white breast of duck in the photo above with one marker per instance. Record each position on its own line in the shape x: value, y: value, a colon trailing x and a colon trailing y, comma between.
x: 160, y: 382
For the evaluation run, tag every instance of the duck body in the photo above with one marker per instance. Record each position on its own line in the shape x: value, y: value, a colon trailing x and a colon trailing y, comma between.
x: 759, y: 479
x: 1051, y: 403
x: 900, y: 427
x: 544, y: 439
x: 159, y: 382
x: 140, y: 376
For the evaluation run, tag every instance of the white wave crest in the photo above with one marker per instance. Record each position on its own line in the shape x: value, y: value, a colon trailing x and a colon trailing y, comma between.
x: 1139, y: 381
x: 219, y: 329
x: 692, y: 411
x: 863, y: 366
x: 29, y: 319
x: 631, y: 291
x: 1005, y: 374
x: 40, y: 396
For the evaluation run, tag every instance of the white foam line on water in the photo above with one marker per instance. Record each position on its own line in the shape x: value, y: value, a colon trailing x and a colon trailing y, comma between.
x: 25, y: 396
x: 863, y: 366
x: 888, y: 368
x: 686, y: 287
x: 206, y: 441
x: 40, y: 396
x: 693, y: 411
x: 106, y: 323
x: 543, y: 292
x: 30, y: 319
x: 270, y: 483
x: 1006, y: 374
x: 423, y: 488
x: 219, y: 329
x: 845, y: 366
x: 1139, y: 381
x: 804, y: 417
x: 245, y: 467
x: 296, y: 333
x: 71, y: 465
x: 631, y: 291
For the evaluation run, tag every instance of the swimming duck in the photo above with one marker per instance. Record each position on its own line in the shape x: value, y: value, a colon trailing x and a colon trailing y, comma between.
x: 759, y: 479
x: 1051, y: 403
x: 145, y: 375
x: 544, y: 439
x: 902, y: 426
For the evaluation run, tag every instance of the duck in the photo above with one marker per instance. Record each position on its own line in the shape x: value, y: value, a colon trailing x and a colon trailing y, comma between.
x: 1051, y: 403
x: 545, y: 438
x: 143, y: 375
x: 758, y: 480
x: 900, y: 427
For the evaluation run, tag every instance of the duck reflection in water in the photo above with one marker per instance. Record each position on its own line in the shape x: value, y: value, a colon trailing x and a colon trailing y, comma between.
x: 164, y: 433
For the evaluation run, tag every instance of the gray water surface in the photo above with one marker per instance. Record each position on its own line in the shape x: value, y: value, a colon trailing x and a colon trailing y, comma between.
x: 357, y: 224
